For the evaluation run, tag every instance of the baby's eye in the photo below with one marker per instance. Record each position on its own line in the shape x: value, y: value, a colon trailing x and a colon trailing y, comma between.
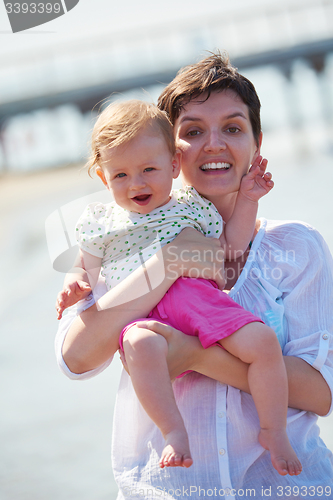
x: 149, y: 169
x: 122, y: 174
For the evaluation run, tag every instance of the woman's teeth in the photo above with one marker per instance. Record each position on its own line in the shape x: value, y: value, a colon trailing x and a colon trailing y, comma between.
x: 216, y: 166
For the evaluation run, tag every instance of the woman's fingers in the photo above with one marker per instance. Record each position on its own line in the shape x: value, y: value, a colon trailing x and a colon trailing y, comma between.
x: 184, y: 351
x: 123, y: 359
x: 155, y: 326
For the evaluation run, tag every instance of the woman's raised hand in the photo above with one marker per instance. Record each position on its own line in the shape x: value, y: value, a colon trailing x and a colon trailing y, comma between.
x: 193, y: 255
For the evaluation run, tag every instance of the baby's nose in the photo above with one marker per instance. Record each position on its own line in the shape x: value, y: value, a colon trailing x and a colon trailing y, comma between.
x: 137, y: 182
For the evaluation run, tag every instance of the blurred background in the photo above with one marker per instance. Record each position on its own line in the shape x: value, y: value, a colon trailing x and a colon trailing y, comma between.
x: 55, y: 433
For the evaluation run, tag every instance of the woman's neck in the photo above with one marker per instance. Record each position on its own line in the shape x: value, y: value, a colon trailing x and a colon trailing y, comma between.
x: 225, y: 205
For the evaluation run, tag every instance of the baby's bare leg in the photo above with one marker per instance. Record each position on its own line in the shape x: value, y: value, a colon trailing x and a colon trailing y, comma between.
x: 257, y: 345
x: 145, y: 353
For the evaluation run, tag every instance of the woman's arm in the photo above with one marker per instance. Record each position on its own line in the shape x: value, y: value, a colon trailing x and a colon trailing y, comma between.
x: 308, y: 390
x: 93, y: 336
x: 307, y: 294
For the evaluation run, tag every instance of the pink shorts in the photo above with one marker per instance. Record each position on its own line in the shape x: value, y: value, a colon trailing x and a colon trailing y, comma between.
x: 197, y: 307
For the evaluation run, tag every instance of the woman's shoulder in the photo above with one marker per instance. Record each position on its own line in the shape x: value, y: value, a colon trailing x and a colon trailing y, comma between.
x: 292, y: 234
x: 291, y: 227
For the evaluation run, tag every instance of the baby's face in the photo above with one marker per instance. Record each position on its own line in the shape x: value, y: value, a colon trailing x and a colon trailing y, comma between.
x: 140, y: 172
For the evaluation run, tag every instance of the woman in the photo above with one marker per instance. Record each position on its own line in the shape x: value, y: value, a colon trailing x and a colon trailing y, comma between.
x: 285, y: 278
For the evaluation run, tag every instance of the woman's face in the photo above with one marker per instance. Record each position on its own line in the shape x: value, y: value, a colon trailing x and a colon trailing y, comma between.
x: 217, y: 144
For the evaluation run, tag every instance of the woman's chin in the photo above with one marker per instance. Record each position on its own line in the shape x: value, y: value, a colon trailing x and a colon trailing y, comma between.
x: 217, y: 187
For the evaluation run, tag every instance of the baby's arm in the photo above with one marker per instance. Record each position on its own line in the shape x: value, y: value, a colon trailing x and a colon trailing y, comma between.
x: 79, y: 281
x: 238, y: 231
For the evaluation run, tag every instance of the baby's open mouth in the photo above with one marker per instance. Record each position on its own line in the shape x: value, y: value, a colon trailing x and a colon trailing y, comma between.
x: 142, y: 199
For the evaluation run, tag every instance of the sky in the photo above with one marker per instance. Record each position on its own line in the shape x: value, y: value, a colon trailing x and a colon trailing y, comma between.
x: 112, y: 16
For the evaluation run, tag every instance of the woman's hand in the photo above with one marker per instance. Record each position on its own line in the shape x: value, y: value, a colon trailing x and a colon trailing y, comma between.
x: 184, y: 351
x: 123, y: 360
x: 193, y: 255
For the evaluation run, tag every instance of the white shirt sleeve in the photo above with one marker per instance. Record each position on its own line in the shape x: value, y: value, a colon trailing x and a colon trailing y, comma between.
x: 307, y: 293
x: 91, y: 228
x: 64, y: 326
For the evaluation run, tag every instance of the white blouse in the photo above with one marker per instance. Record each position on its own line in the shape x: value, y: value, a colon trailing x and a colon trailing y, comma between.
x: 288, y: 282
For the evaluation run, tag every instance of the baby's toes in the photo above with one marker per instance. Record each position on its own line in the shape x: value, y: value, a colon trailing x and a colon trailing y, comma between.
x: 282, y: 466
x: 176, y: 460
x: 294, y: 468
x: 167, y: 460
x: 187, y: 461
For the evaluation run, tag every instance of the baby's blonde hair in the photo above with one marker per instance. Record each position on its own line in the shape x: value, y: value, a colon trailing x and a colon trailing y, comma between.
x: 122, y: 121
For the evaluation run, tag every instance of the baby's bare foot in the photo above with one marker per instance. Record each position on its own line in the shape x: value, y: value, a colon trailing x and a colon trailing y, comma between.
x: 176, y: 452
x: 283, y: 457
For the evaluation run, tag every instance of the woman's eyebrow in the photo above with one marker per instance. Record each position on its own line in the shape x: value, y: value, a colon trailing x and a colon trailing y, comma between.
x: 237, y: 114
x: 189, y: 119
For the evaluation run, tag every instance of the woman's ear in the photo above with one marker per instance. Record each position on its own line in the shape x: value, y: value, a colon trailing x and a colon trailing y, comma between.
x: 101, y: 175
x: 176, y: 161
x: 258, y: 148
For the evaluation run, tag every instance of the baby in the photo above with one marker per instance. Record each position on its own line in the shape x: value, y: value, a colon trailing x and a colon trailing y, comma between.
x: 134, y: 154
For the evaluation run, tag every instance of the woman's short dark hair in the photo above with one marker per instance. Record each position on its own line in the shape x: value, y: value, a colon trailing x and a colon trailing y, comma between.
x: 212, y: 74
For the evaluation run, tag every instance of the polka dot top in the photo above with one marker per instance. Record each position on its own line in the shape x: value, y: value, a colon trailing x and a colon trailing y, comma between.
x: 124, y: 239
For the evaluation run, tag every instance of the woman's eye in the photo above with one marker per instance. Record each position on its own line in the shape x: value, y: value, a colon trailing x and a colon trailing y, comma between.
x: 193, y: 133
x: 233, y: 130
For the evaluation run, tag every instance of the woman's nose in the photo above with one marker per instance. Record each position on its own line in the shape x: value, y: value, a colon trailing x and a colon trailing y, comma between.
x: 215, y: 142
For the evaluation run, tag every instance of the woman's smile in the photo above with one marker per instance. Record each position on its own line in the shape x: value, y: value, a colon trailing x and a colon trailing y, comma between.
x: 215, y: 166
x: 216, y: 141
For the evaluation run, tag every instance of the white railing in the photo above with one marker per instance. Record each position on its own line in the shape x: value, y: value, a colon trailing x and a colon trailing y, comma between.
x: 98, y: 58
